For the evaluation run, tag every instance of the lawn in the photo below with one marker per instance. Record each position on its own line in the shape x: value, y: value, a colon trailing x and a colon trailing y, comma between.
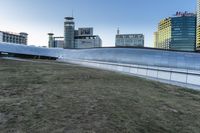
x: 64, y: 98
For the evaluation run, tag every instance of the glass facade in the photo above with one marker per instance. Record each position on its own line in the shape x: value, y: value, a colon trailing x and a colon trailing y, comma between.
x: 183, y: 33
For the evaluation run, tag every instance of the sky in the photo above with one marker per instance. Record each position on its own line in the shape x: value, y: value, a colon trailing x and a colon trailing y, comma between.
x: 39, y: 17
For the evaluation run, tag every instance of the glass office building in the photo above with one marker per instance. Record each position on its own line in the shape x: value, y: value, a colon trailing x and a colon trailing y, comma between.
x: 177, y: 33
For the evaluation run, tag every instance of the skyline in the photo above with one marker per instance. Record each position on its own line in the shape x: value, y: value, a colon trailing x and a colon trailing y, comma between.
x: 105, y: 17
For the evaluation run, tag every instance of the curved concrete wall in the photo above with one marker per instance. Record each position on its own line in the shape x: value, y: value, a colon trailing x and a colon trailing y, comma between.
x: 180, y: 67
x: 150, y: 57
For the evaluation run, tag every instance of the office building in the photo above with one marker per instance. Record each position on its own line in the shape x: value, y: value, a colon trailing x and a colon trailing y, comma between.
x: 198, y: 26
x: 17, y: 38
x: 129, y: 40
x: 177, y: 32
x: 81, y: 38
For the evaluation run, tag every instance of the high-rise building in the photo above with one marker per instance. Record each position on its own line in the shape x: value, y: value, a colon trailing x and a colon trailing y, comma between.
x: 69, y: 32
x: 198, y: 26
x: 177, y: 32
x: 17, y: 38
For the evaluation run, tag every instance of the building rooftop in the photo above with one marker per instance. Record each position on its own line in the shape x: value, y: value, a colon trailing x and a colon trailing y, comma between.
x: 69, y: 18
x: 50, y: 34
x: 13, y: 33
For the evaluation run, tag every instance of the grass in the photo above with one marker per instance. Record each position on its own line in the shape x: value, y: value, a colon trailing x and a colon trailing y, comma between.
x: 64, y: 98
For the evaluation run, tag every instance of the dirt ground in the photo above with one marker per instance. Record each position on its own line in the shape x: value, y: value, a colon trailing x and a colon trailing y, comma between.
x: 64, y: 98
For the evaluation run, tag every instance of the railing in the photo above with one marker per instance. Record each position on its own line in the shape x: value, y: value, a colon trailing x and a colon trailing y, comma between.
x: 181, y: 77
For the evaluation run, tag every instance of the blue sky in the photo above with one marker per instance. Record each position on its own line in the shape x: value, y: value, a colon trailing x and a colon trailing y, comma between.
x: 38, y: 17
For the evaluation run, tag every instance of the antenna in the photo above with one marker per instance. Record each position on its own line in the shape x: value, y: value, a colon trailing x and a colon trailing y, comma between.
x: 196, y: 8
x: 118, y: 32
x: 72, y: 13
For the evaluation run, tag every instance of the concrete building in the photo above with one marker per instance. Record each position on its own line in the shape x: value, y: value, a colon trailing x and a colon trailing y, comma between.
x: 81, y: 38
x: 126, y: 40
x: 155, y: 39
x: 198, y: 26
x: 55, y: 42
x: 17, y: 38
x: 51, y: 40
x: 86, y: 39
x: 177, y: 32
